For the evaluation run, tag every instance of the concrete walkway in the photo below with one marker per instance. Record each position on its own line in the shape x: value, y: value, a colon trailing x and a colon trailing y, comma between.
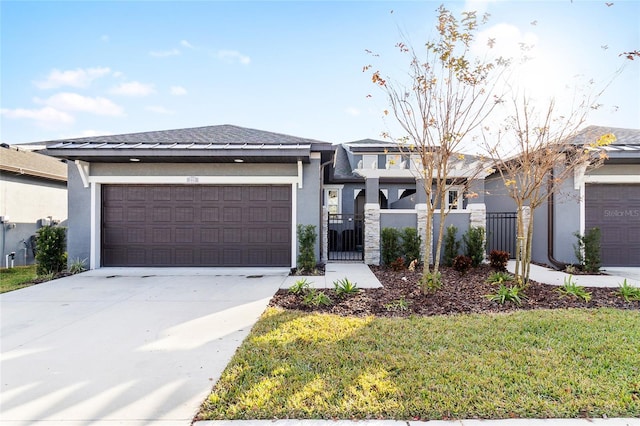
x: 612, y: 279
x: 124, y: 346
x: 354, y: 272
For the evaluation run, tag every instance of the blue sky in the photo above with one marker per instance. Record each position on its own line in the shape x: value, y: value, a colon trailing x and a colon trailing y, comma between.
x: 73, y: 69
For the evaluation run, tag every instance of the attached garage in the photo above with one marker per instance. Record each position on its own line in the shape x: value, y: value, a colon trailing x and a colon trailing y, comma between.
x: 615, y: 209
x: 196, y: 225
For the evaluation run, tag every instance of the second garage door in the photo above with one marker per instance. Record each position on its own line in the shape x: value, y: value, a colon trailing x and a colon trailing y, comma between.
x: 196, y: 225
x: 615, y: 209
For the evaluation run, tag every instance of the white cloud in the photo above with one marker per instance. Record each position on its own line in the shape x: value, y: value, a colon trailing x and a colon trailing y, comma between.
x: 164, y: 53
x: 178, y: 90
x: 75, y: 78
x: 159, y: 110
x: 133, y: 88
x: 104, y: 38
x: 186, y: 44
x: 85, y: 134
x: 352, y: 111
x: 118, y: 74
x: 232, y: 56
x: 48, y: 117
x: 76, y: 102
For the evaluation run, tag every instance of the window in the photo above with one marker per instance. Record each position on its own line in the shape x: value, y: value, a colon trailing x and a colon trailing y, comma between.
x: 454, y: 198
x: 369, y: 161
x: 333, y: 199
x: 395, y: 161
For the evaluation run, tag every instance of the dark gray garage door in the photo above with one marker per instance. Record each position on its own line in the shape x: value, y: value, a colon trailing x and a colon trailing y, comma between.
x: 196, y: 225
x: 615, y: 209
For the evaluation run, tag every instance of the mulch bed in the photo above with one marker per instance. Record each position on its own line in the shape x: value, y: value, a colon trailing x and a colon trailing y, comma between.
x: 459, y: 294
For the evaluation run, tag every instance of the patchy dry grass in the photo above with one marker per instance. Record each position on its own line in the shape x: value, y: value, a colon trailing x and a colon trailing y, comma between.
x: 543, y: 363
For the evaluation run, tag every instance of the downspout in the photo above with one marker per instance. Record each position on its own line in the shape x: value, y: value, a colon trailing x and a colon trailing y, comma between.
x: 551, y: 225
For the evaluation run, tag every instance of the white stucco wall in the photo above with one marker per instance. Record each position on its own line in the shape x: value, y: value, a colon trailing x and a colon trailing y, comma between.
x: 27, y: 200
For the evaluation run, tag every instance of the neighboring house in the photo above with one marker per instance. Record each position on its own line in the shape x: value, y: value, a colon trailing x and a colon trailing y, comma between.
x: 33, y: 193
x: 607, y: 197
x: 207, y: 196
x: 374, y: 185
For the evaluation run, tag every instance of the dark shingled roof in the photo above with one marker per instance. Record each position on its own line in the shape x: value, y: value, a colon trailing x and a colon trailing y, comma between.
x: 210, y: 143
x: 222, y: 134
x: 626, y: 145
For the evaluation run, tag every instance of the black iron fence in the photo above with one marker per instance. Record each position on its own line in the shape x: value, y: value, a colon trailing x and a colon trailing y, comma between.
x: 501, y: 232
x: 346, y: 237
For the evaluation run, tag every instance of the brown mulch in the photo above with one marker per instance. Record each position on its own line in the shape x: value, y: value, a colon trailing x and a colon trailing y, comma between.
x: 459, y: 294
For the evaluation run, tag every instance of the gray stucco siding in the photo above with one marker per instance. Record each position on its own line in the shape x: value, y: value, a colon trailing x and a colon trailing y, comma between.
x: 459, y: 220
x: 308, y: 205
x: 393, y: 219
x: 79, y: 221
x: 193, y: 169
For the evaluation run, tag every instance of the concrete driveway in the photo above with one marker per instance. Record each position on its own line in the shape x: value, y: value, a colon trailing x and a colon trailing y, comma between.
x: 124, y: 346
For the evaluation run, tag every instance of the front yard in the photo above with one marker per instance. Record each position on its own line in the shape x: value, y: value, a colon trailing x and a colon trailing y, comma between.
x: 536, y: 363
x: 17, y: 278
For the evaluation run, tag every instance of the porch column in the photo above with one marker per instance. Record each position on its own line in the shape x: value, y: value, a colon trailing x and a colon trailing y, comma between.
x: 478, y: 219
x: 372, y: 222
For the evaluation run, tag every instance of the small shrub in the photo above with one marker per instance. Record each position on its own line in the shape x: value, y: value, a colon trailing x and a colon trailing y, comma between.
x: 411, y: 244
x: 588, y: 250
x: 499, y: 259
x: 474, y: 244
x: 431, y: 282
x: 51, y: 245
x: 570, y: 269
x: 77, y: 266
x: 500, y: 277
x: 507, y: 294
x: 397, y: 305
x: 390, y: 248
x: 344, y: 287
x: 398, y: 264
x: 628, y: 292
x: 462, y: 263
x: 300, y: 286
x: 570, y: 288
x: 307, y: 240
x: 316, y: 298
x: 451, y: 245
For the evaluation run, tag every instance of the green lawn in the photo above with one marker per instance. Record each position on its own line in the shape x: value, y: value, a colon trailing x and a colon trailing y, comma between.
x: 15, y: 278
x: 541, y: 363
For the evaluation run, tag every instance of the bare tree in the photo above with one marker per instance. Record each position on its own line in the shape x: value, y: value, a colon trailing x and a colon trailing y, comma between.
x: 446, y: 98
x: 543, y: 154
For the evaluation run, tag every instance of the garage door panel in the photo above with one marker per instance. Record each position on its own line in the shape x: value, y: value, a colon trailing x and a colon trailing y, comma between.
x: 232, y: 214
x: 209, y: 214
x: 258, y: 193
x: 209, y: 235
x: 280, y: 214
x: 196, y: 225
x: 615, y: 209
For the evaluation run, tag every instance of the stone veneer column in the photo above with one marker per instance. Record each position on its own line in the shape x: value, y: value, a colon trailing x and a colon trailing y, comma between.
x: 324, y: 238
x: 372, y: 233
x: 421, y: 212
x: 478, y: 219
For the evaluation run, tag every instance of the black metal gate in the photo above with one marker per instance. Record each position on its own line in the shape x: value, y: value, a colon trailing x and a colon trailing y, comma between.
x: 346, y: 237
x: 501, y: 232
